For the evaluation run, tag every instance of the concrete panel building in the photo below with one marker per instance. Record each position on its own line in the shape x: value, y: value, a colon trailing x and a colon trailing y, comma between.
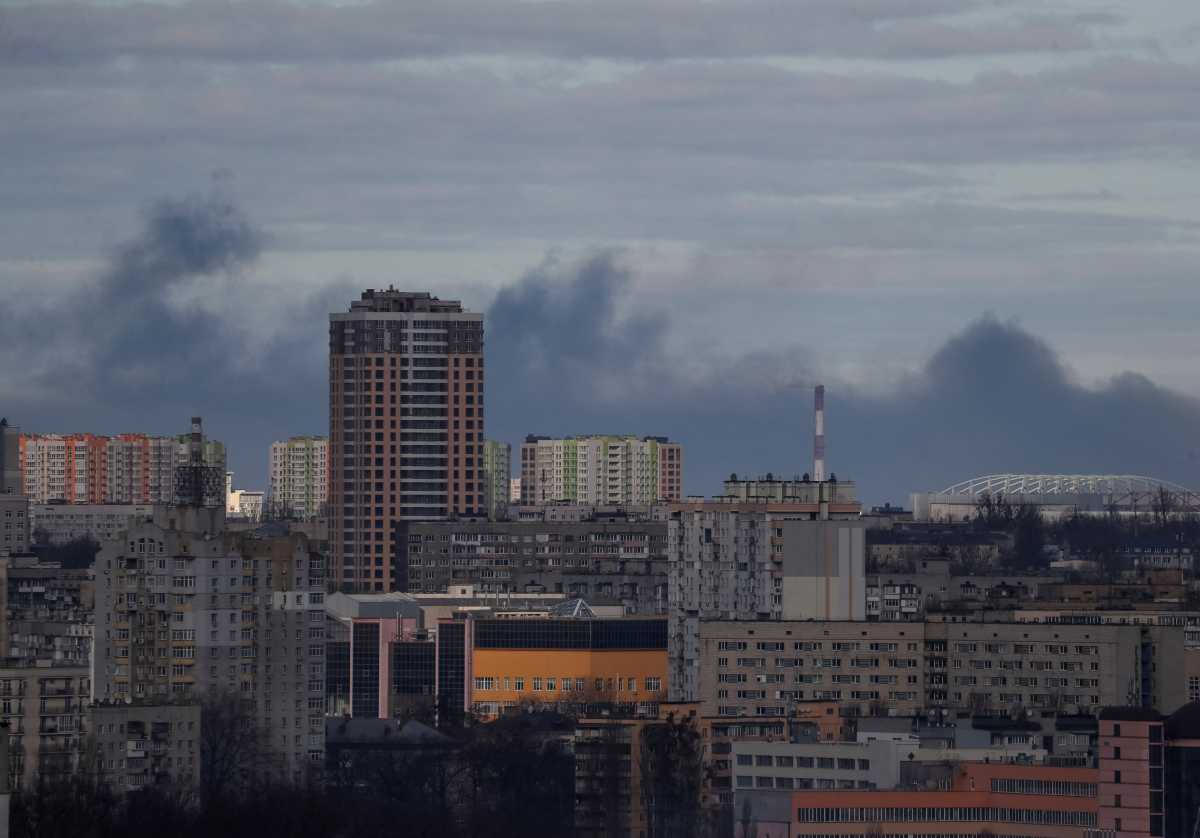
x: 140, y: 745
x: 763, y: 668
x: 60, y: 523
x: 299, y: 478
x: 185, y: 609
x: 609, y: 558
x: 736, y: 559
x: 616, y: 470
x: 45, y: 708
x: 406, y: 425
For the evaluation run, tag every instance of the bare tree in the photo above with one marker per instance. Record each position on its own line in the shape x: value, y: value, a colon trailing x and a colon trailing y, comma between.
x: 232, y: 745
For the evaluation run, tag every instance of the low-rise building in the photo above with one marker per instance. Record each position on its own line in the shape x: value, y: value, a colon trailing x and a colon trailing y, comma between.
x: 785, y: 766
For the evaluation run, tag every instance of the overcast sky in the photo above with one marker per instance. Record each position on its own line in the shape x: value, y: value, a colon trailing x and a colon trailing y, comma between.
x: 969, y: 219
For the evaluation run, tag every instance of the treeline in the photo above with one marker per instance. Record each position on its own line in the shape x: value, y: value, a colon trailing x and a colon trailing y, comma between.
x: 514, y: 776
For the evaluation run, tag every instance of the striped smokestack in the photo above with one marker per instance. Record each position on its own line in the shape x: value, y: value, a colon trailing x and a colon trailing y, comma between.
x: 819, y: 433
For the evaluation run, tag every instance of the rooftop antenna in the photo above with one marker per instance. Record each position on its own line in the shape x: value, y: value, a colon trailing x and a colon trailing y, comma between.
x: 819, y: 433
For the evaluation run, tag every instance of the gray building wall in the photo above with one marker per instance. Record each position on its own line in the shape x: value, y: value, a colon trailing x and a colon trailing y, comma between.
x: 759, y: 668
x: 183, y: 611
x: 735, y: 561
x: 143, y: 745
x: 620, y: 560
x: 45, y: 708
x: 14, y: 524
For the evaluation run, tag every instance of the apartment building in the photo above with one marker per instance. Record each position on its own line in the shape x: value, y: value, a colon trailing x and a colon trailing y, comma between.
x: 15, y: 529
x: 619, y: 470
x: 736, y: 559
x: 45, y: 708
x: 761, y: 668
x: 60, y: 523
x: 185, y: 608
x: 497, y: 478
x: 138, y: 745
x: 406, y: 425
x: 124, y: 469
x: 603, y: 557
x: 488, y: 665
x: 45, y: 613
x: 299, y: 478
x: 608, y: 777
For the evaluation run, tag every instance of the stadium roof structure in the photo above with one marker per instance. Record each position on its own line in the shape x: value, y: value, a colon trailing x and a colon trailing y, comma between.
x: 1063, y: 484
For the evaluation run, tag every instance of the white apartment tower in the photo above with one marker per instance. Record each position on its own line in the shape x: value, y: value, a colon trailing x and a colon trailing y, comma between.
x: 299, y: 485
x: 601, y: 470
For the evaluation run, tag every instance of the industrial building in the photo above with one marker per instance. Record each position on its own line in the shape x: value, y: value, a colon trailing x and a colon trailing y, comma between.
x: 406, y: 425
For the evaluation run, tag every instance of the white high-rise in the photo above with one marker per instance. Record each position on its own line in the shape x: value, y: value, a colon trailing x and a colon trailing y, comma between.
x: 299, y: 477
x: 603, y: 470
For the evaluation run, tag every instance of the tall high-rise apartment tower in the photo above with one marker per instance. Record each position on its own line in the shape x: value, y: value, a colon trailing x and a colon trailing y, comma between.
x: 405, y: 425
x: 299, y: 477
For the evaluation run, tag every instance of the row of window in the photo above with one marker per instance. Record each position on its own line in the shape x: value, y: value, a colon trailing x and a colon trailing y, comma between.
x: 830, y: 763
x: 918, y: 814
x: 801, y: 783
x: 551, y: 684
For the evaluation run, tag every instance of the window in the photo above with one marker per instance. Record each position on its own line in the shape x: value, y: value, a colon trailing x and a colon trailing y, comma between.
x: 653, y: 684
x: 745, y: 759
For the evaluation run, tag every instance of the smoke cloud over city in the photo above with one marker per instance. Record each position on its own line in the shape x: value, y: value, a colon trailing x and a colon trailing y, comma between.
x: 569, y: 350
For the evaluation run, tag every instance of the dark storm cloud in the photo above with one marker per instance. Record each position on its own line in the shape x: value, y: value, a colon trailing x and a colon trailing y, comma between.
x: 993, y: 398
x: 269, y: 31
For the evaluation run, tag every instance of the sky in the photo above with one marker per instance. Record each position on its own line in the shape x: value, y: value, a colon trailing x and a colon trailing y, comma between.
x: 975, y: 222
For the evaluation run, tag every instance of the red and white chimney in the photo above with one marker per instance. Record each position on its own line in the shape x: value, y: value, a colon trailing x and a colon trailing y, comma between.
x: 819, y: 433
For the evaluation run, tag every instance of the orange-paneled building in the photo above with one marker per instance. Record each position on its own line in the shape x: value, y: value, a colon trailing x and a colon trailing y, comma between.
x: 489, y: 665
